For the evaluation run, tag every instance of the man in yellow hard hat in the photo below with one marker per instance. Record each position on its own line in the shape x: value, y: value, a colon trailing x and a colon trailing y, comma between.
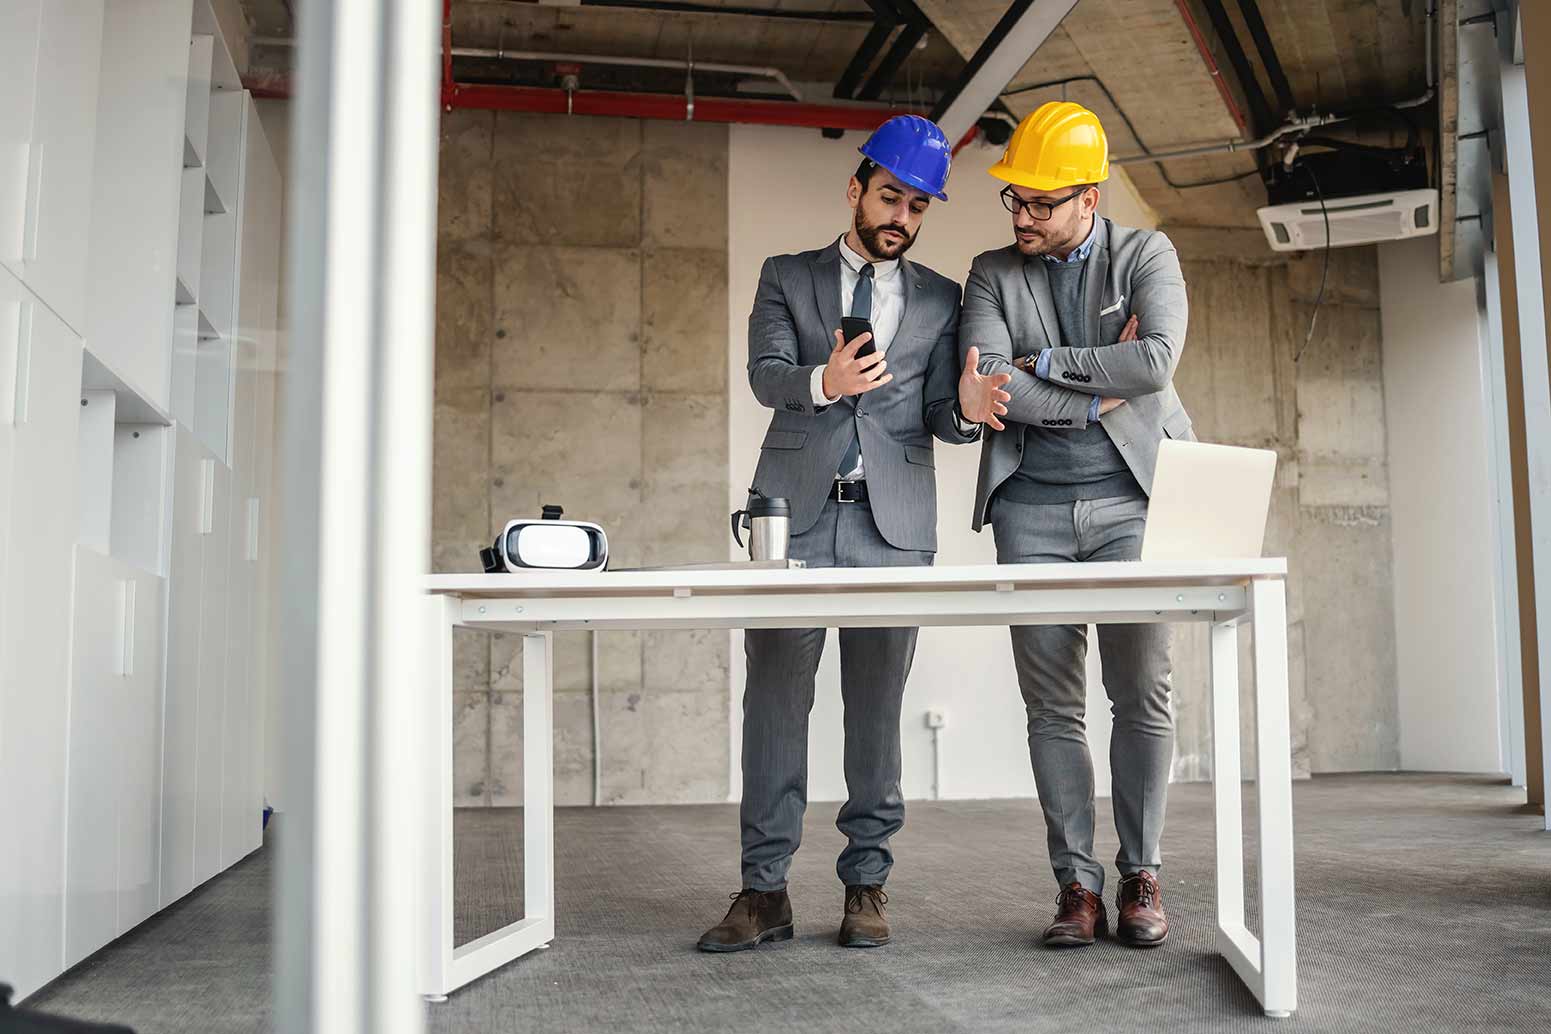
x: 1089, y: 318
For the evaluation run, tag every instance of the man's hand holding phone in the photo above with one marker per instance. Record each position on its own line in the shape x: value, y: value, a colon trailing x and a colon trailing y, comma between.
x: 848, y: 373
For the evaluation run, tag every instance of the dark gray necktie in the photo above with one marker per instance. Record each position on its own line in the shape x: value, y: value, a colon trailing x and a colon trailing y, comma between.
x: 861, y: 306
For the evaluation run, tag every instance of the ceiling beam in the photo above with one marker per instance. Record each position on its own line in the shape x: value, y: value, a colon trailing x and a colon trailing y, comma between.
x: 1026, y: 25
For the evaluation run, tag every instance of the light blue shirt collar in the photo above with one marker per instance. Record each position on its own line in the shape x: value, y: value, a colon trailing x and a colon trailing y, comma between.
x: 1079, y: 253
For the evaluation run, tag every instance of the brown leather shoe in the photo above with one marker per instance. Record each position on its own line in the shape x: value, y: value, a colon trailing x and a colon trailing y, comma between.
x: 756, y: 916
x: 865, y: 925
x: 1142, y: 923
x: 1080, y: 917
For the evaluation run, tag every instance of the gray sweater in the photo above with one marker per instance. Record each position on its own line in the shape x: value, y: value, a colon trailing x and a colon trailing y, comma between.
x: 1061, y: 466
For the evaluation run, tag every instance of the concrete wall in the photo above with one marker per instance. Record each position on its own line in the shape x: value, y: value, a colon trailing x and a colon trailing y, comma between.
x: 1442, y: 497
x: 1249, y: 379
x: 594, y: 284
x: 581, y: 276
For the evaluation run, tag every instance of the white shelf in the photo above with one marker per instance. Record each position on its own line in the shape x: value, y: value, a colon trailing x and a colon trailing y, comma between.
x: 140, y: 453
x: 185, y: 347
x: 223, y: 70
x: 196, y: 111
x: 213, y: 395
x: 223, y: 155
x: 94, y: 470
x: 191, y: 229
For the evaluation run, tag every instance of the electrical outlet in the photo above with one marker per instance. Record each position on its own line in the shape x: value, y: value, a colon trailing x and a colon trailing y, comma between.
x: 936, y: 718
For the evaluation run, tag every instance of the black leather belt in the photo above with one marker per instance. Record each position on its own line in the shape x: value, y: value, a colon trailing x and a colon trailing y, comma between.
x: 849, y: 491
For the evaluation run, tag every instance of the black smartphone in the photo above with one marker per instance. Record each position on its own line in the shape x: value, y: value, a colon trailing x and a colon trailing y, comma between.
x: 852, y: 327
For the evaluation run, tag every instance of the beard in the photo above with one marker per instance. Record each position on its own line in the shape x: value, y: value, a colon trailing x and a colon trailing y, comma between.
x: 1041, y: 241
x: 880, y: 247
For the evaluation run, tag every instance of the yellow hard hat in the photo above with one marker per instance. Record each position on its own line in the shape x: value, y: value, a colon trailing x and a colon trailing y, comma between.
x: 1060, y: 145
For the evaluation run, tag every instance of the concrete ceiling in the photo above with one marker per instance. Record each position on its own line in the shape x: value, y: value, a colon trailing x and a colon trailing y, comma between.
x: 807, y: 51
x: 1132, y: 59
x: 1336, y: 54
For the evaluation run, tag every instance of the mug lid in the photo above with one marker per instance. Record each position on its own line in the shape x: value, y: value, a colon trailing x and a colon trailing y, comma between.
x: 775, y: 506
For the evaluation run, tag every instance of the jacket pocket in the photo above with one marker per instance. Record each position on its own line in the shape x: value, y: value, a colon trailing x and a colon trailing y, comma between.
x: 1177, y: 425
x: 784, y: 440
x: 920, y: 454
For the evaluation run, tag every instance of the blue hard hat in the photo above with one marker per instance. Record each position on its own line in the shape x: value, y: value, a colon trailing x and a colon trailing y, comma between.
x: 914, y: 150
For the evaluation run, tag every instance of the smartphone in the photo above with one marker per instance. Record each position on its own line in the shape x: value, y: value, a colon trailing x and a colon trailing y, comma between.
x: 852, y: 327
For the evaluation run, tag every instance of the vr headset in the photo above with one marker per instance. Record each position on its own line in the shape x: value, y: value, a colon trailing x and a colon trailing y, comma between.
x: 547, y: 544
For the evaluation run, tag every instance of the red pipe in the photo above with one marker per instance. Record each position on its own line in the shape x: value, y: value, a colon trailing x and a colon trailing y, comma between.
x: 448, y: 86
x: 670, y: 106
x: 1211, y: 65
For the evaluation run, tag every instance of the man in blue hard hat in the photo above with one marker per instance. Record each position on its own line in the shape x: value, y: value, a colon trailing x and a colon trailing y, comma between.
x: 850, y: 448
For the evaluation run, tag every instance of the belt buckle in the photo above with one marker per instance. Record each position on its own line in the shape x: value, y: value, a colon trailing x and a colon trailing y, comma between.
x: 843, y: 490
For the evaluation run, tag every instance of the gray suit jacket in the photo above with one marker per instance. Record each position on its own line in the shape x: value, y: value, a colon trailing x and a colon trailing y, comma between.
x: 792, y: 330
x: 1009, y: 312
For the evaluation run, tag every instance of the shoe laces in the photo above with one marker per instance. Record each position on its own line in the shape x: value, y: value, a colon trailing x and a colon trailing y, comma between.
x: 857, y: 896
x: 1072, y: 894
x: 1146, y: 887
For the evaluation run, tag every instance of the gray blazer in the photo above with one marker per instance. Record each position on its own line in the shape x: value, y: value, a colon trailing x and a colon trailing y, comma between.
x: 1009, y: 313
x: 791, y: 331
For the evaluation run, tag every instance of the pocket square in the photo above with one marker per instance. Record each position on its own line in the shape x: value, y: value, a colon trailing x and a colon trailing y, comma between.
x: 1113, y: 308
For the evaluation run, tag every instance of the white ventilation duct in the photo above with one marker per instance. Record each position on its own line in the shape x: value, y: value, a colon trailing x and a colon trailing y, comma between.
x: 1363, y: 219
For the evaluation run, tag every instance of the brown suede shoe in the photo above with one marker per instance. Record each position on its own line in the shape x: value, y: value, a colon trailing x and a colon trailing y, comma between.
x: 755, y: 917
x: 1080, y: 917
x: 865, y: 925
x: 1142, y: 923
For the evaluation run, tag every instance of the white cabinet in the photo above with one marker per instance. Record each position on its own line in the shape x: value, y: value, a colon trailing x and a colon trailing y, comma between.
x: 43, y: 362
x: 134, y: 566
x: 47, y: 137
x: 214, y: 604
x: 63, y: 149
x: 115, y: 752
x: 19, y: 32
x: 136, y: 190
x: 180, y: 753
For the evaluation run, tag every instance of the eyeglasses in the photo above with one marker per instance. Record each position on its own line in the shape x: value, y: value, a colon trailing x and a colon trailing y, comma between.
x: 1040, y: 210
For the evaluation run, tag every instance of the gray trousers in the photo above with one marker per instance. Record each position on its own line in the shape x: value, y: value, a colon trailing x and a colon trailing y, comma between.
x: 1051, y: 661
x: 874, y: 663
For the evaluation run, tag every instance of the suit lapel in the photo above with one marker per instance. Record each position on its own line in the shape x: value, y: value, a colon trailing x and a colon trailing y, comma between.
x: 1093, y: 292
x: 826, y: 290
x: 1044, y: 303
x: 911, y: 281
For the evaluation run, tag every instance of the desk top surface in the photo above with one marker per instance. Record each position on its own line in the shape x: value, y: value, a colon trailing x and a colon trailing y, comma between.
x: 966, y: 577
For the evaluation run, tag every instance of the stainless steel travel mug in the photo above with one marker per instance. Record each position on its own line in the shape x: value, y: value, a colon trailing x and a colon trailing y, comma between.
x: 768, y: 522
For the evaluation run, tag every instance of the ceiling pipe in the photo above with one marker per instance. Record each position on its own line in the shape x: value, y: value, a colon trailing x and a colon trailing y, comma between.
x: 1259, y: 109
x: 782, y: 13
x: 1012, y: 41
x: 774, y: 74
x: 619, y: 104
x: 1212, y: 68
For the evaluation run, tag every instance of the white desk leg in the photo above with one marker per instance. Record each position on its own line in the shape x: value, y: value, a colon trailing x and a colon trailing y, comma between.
x: 1273, y: 763
x: 1227, y: 797
x: 538, y: 783
x: 436, y: 800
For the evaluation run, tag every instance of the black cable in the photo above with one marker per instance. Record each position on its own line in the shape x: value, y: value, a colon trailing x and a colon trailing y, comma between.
x: 1319, y: 298
x: 1214, y: 182
x: 1131, y: 127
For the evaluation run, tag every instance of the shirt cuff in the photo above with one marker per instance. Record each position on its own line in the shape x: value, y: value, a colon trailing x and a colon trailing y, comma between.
x: 1042, y: 365
x: 1093, y: 410
x: 966, y: 427
x: 816, y: 385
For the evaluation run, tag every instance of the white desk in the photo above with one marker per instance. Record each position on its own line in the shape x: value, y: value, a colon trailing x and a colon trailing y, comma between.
x: 1221, y: 593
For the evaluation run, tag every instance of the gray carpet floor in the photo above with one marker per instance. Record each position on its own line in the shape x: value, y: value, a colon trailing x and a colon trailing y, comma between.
x: 1424, y: 904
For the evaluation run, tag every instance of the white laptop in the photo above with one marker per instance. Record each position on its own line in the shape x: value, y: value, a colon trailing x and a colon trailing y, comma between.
x: 1208, y: 502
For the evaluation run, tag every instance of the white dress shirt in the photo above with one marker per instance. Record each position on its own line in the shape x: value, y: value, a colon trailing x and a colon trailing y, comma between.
x: 888, y: 307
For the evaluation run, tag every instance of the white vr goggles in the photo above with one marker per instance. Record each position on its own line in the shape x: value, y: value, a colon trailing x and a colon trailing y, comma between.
x: 547, y: 544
